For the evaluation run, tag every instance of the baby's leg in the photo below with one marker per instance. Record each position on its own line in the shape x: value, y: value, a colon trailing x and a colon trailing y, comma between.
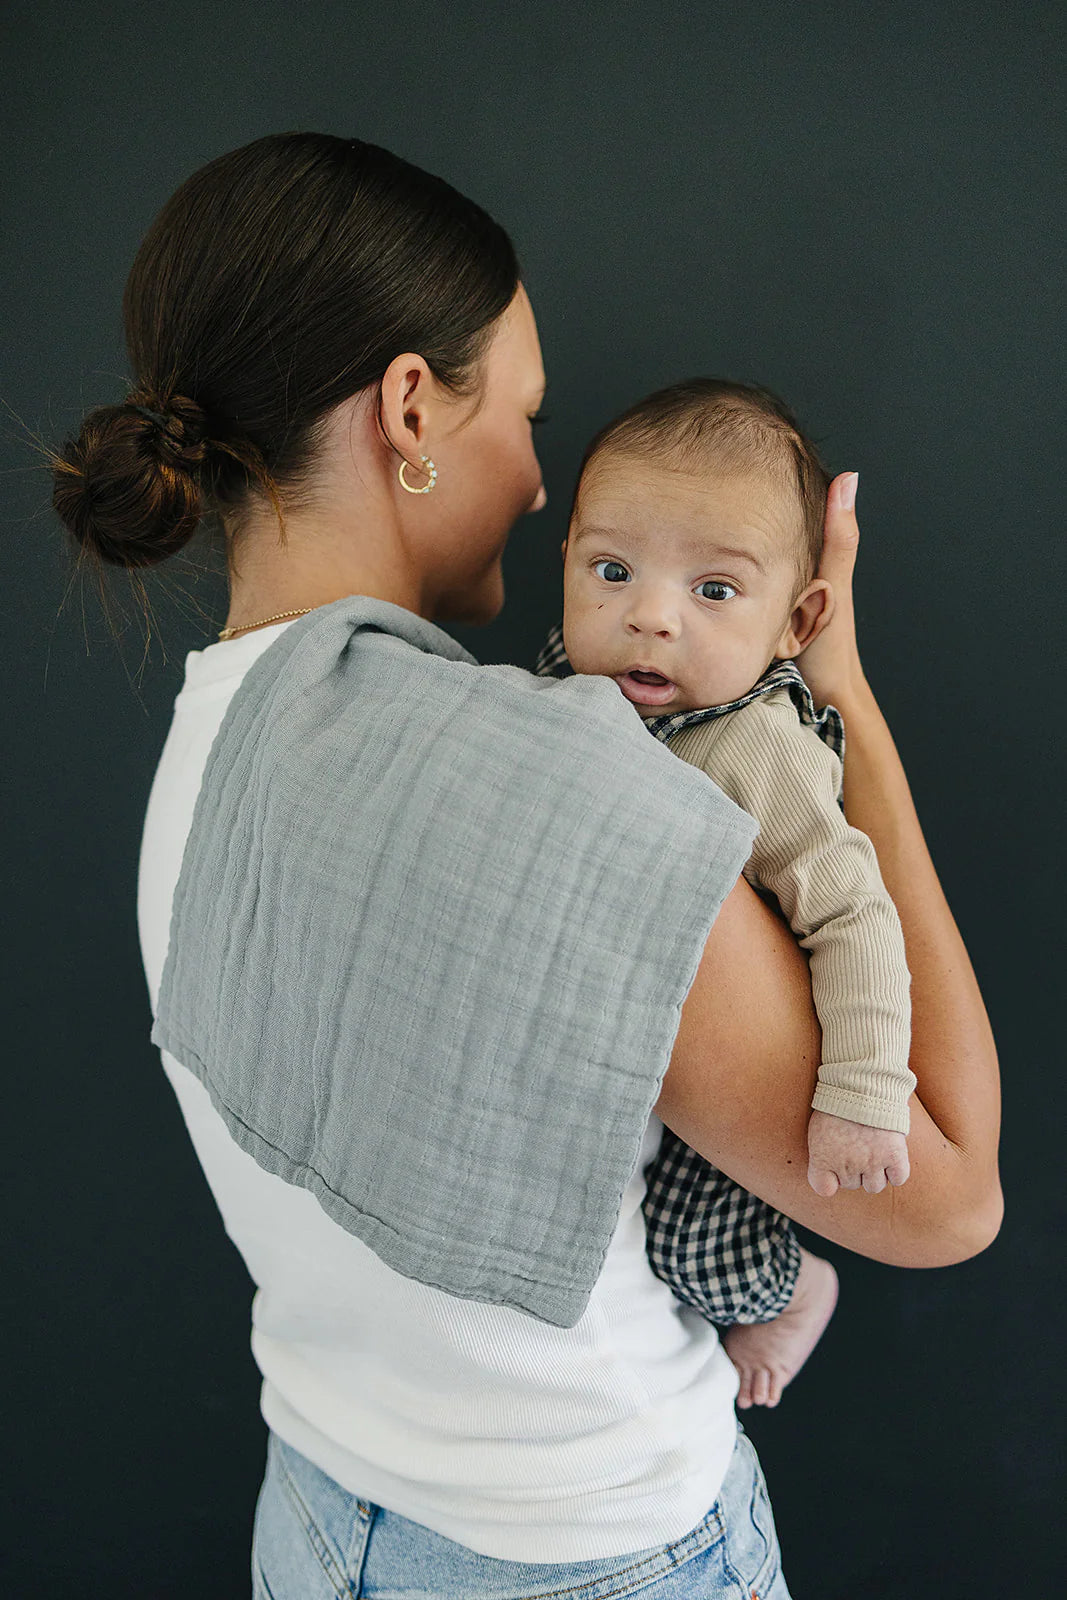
x: 737, y: 1260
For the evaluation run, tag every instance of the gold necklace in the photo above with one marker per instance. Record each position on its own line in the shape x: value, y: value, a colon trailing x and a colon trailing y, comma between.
x: 228, y: 633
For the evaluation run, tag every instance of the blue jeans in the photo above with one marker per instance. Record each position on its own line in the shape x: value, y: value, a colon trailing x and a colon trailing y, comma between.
x: 315, y: 1541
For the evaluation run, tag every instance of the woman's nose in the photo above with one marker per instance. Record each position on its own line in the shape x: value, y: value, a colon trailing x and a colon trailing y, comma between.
x: 539, y: 501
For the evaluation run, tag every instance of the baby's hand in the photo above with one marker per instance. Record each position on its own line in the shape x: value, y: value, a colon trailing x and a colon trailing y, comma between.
x: 846, y: 1155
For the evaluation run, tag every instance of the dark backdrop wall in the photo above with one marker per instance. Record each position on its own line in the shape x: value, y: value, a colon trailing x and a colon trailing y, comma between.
x: 861, y: 206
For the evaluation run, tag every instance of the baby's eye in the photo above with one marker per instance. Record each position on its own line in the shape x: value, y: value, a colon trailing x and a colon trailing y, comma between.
x: 606, y: 562
x: 722, y: 591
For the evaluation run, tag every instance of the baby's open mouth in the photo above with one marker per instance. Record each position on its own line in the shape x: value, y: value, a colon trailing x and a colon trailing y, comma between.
x: 646, y: 688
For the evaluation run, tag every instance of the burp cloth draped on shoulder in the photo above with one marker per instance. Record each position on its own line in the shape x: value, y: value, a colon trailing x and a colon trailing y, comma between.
x: 434, y: 925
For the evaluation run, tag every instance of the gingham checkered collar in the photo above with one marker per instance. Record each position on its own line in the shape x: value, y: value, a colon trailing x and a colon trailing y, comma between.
x: 552, y: 663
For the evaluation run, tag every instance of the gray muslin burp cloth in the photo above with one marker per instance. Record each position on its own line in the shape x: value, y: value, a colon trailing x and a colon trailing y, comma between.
x: 429, y: 944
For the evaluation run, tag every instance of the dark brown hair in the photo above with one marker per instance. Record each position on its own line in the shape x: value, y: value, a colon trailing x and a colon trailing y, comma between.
x: 276, y: 282
x: 729, y: 427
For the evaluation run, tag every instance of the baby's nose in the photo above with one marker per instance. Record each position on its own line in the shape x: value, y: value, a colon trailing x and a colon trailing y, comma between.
x: 647, y: 614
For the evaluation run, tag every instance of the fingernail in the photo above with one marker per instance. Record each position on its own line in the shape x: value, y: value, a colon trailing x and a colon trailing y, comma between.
x: 849, y: 485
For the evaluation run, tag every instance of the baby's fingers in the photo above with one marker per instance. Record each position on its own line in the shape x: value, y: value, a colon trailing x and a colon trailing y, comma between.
x: 898, y: 1169
x: 822, y: 1180
x: 874, y: 1180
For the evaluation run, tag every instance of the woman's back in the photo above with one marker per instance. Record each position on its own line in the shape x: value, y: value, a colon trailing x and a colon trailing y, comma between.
x: 519, y: 1439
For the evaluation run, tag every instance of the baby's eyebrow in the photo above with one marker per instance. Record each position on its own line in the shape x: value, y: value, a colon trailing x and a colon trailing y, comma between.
x: 696, y: 549
x: 738, y: 555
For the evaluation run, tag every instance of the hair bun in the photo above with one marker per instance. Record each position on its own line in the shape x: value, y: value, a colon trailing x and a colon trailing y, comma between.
x: 179, y: 424
x: 129, y: 486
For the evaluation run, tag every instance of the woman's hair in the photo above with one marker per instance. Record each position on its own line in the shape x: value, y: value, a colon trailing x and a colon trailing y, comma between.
x: 713, y: 424
x: 276, y: 282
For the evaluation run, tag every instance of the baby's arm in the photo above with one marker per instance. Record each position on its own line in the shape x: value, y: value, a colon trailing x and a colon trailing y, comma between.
x: 824, y: 875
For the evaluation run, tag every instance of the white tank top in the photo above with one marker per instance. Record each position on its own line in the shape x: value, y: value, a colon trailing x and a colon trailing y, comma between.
x: 518, y: 1439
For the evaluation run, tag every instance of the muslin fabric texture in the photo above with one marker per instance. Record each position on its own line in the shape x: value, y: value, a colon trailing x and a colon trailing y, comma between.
x: 432, y: 933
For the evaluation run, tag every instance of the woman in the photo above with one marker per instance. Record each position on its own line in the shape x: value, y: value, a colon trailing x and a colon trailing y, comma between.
x: 334, y: 353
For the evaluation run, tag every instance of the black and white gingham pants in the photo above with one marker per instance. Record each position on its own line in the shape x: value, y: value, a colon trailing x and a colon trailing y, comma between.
x: 716, y: 1246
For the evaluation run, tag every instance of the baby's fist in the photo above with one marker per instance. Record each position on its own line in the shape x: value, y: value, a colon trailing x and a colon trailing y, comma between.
x: 850, y: 1155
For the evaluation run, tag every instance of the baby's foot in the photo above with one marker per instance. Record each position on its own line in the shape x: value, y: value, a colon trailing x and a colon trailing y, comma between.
x: 769, y: 1354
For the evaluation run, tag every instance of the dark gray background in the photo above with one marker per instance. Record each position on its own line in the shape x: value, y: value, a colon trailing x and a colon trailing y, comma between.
x: 860, y: 206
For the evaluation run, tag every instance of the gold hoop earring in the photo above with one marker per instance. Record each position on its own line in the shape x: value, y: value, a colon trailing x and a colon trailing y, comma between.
x: 428, y: 466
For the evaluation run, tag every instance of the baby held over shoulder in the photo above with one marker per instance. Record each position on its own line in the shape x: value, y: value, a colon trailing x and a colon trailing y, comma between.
x: 689, y: 569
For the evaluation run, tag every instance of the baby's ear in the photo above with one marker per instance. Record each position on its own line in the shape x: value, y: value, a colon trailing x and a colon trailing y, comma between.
x: 811, y: 611
x: 563, y: 548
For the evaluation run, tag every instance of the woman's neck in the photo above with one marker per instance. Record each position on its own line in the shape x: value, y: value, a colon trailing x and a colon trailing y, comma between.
x: 316, y: 565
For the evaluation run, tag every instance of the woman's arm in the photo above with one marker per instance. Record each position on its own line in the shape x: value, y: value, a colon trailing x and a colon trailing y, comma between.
x: 742, y: 1071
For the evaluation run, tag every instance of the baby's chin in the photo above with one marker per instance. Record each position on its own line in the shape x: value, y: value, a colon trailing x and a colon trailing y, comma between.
x: 683, y: 699
x: 687, y: 701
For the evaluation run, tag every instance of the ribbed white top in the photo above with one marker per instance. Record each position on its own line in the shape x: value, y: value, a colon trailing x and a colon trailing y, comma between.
x: 519, y: 1439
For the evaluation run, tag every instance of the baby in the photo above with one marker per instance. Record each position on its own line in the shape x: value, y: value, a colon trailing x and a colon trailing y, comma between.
x: 689, y: 578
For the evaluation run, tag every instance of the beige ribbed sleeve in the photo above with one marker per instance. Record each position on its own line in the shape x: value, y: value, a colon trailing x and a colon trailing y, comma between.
x: 824, y: 875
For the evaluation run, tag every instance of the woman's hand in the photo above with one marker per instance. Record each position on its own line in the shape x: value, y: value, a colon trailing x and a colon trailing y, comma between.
x: 831, y: 663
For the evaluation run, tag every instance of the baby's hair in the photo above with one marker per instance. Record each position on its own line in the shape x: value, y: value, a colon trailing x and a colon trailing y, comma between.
x: 730, y: 428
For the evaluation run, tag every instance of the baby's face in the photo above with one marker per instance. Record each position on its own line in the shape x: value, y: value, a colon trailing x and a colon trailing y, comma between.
x: 691, y: 576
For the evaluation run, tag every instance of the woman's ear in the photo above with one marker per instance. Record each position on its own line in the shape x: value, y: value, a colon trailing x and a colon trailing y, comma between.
x: 409, y: 403
x: 811, y: 611
x: 563, y: 550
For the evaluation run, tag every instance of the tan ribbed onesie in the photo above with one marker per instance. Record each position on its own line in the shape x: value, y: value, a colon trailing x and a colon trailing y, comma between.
x: 825, y: 876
